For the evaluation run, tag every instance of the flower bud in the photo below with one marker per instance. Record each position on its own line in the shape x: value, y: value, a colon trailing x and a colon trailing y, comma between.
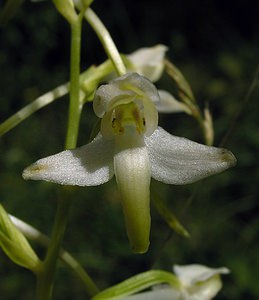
x: 15, y: 245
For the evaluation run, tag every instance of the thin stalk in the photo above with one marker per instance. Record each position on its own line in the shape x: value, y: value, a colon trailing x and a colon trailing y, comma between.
x: 46, y: 277
x: 106, y: 40
x: 75, y: 105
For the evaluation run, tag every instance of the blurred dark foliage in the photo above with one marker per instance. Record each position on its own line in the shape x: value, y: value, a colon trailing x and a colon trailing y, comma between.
x: 215, y: 44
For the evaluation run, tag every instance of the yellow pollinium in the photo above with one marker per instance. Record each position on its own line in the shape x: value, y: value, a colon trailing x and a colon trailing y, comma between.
x: 128, y: 116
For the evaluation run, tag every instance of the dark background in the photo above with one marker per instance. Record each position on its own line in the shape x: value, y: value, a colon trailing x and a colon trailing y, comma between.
x: 215, y: 44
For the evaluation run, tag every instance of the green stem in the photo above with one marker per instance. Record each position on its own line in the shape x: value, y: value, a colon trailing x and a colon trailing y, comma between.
x: 106, y: 40
x: 46, y: 277
x: 75, y: 106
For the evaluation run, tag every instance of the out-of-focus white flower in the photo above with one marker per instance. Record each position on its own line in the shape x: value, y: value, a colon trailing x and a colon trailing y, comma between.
x: 169, y: 104
x: 131, y: 146
x: 197, y: 282
x: 149, y: 61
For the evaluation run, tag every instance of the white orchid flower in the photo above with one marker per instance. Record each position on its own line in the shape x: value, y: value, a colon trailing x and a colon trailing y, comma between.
x: 196, y: 282
x: 131, y: 146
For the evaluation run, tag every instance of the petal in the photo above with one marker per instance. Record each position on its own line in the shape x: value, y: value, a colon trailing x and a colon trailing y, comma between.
x: 133, y: 174
x: 140, y: 85
x: 149, y: 62
x: 106, y: 95
x: 168, y: 104
x: 88, y: 165
x: 177, y: 160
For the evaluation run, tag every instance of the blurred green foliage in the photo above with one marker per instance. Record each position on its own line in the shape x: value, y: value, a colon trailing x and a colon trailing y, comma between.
x: 215, y: 44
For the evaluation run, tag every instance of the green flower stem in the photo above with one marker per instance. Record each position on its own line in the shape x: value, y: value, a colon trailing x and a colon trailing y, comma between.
x: 46, y: 277
x: 138, y: 283
x: 35, y: 235
x: 106, y: 40
x: 75, y: 106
